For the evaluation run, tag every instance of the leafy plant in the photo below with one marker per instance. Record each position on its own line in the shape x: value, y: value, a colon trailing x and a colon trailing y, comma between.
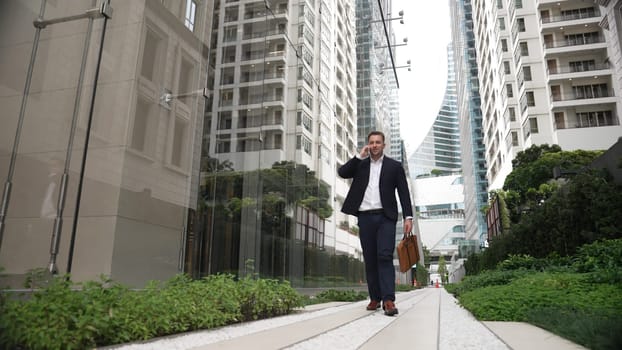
x: 603, y: 259
x: 340, y: 295
x: 64, y: 315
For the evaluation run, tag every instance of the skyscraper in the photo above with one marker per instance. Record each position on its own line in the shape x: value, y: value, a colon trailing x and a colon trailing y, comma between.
x: 375, y: 86
x: 440, y: 148
x: 470, y: 116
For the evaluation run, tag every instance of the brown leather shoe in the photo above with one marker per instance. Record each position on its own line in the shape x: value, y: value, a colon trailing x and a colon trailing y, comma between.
x: 373, y: 305
x: 389, y: 308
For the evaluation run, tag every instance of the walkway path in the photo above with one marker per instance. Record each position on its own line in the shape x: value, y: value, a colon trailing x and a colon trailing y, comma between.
x: 428, y: 318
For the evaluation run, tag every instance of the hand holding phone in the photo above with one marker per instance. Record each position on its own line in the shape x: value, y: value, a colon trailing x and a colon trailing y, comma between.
x: 365, y: 151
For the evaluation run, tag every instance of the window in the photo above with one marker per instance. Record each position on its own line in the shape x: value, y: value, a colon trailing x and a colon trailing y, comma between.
x: 231, y: 14
x: 515, y: 138
x: 309, y: 228
x: 144, y: 127
x: 524, y: 48
x: 278, y: 141
x: 582, y: 38
x: 179, y: 136
x: 508, y: 89
x: 531, y: 100
x: 585, y: 12
x: 512, y: 114
x: 501, y: 23
x: 151, y: 50
x: 560, y: 122
x: 499, y: 4
x: 590, y: 91
x: 520, y: 23
x: 533, y: 125
x: 227, y: 75
x: 518, y: 4
x: 527, y: 73
x: 504, y: 45
x: 526, y: 130
x: 223, y: 143
x: 230, y: 33
x: 304, y: 120
x: 304, y: 143
x: 582, y: 66
x: 226, y: 97
x: 506, y: 67
x: 186, y: 80
x: 591, y: 119
x: 224, y: 120
x: 191, y: 11
x: 228, y: 54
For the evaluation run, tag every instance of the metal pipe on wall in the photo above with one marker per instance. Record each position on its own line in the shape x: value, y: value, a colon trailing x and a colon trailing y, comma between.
x: 107, y: 12
x: 6, y: 194
x: 60, y: 207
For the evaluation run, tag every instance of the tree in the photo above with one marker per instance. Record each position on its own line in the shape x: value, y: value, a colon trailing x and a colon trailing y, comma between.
x: 436, y: 172
x: 529, y: 184
x: 442, y: 269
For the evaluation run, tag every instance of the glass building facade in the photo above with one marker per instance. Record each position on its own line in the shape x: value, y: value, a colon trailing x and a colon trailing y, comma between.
x: 470, y: 114
x: 141, y: 139
x: 440, y: 148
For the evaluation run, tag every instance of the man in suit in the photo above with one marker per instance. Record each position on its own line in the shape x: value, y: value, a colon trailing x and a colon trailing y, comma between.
x: 371, y: 198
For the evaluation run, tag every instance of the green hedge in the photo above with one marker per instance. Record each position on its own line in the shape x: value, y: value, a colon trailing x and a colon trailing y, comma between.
x: 576, y: 297
x: 105, y: 313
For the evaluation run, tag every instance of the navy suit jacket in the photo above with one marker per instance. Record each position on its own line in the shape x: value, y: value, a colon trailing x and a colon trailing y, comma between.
x: 392, y: 177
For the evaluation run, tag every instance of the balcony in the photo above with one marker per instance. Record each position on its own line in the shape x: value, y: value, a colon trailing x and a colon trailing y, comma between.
x: 258, y: 99
x: 568, y: 72
x: 582, y: 99
x: 261, y: 54
x: 254, y: 34
x: 550, y: 44
x: 552, y: 47
x: 587, y: 120
x: 592, y: 16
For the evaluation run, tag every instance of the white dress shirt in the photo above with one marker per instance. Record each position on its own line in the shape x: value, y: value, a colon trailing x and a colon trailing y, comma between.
x: 371, y: 200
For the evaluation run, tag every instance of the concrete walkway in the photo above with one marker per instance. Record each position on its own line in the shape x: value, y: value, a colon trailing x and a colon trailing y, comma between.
x: 428, y: 318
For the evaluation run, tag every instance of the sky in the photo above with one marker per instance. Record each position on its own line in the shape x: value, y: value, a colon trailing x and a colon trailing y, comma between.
x: 427, y: 26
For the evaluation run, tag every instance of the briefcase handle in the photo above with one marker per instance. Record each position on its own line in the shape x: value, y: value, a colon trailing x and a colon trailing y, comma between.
x: 408, y: 234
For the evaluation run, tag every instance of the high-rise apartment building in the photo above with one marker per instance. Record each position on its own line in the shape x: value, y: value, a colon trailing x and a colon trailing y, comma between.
x: 612, y: 17
x: 395, y: 145
x: 470, y: 116
x: 284, y: 91
x: 440, y: 148
x: 375, y: 86
x: 547, y: 76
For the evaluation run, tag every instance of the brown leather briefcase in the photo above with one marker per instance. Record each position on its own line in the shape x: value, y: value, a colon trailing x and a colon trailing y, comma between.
x: 408, y: 252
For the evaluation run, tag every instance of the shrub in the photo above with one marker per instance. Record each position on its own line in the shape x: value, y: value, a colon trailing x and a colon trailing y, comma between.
x: 487, y: 279
x: 60, y: 316
x: 593, y: 328
x: 340, y: 295
x: 602, y: 259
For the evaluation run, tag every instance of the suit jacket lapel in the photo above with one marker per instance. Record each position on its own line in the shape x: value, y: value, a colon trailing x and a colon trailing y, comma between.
x: 383, y: 170
x: 366, y: 168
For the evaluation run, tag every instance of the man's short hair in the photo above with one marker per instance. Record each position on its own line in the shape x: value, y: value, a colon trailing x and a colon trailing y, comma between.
x: 376, y: 132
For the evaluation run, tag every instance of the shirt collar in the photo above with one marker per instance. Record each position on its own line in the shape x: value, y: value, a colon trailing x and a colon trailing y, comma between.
x: 377, y: 161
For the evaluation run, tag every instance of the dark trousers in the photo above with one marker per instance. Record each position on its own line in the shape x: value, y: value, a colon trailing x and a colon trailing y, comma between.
x: 377, y: 234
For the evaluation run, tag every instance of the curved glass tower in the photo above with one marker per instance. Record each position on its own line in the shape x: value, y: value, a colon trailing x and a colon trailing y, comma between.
x: 440, y: 149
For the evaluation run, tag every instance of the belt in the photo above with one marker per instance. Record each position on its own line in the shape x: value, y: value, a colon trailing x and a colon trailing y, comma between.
x: 371, y: 212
